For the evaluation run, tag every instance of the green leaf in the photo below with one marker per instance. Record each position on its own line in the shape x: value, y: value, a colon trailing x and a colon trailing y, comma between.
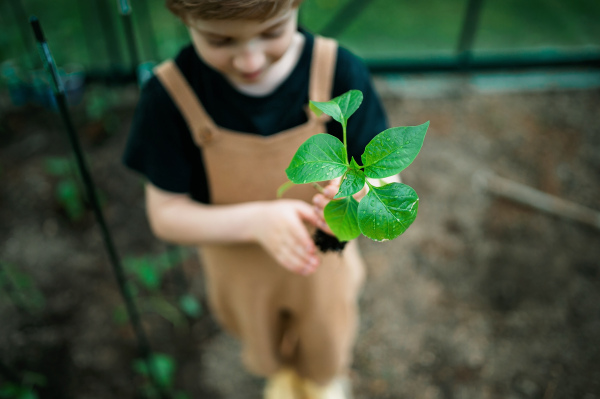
x: 163, y: 365
x: 27, y: 393
x: 67, y: 194
x: 120, y: 315
x: 386, y: 212
x: 162, y: 307
x: 313, y: 108
x: 319, y: 158
x: 190, y: 306
x: 8, y: 390
x: 392, y: 150
x: 148, y: 275
x: 353, y: 182
x: 31, y: 378
x: 341, y: 217
x: 56, y: 166
x: 341, y: 107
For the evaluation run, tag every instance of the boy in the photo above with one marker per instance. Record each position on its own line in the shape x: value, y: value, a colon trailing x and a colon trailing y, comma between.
x: 213, y: 133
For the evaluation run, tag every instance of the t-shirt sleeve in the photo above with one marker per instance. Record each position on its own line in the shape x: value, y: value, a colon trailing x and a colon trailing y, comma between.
x: 370, y: 119
x: 157, y: 146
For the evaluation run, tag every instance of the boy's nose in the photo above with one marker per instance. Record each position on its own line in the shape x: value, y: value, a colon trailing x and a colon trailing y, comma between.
x: 250, y: 59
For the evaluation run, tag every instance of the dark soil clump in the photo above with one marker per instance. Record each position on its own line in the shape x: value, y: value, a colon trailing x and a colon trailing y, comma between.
x: 327, y: 242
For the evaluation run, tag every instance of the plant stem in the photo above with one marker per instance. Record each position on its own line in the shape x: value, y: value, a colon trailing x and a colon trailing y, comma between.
x: 345, y: 143
x: 319, y: 188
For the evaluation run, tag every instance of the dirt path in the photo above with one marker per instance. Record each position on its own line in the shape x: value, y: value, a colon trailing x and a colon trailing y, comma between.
x: 481, y: 298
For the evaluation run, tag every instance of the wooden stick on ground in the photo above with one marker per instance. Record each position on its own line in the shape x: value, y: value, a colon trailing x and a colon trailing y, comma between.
x: 536, y: 199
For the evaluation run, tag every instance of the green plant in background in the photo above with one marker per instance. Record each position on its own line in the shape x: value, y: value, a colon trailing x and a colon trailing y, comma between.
x: 386, y: 211
x: 20, y: 289
x: 146, y: 275
x: 25, y: 389
x: 99, y: 105
x: 68, y: 192
x: 165, y: 368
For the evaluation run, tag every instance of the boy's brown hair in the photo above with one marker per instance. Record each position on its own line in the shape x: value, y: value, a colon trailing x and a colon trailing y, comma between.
x: 229, y: 9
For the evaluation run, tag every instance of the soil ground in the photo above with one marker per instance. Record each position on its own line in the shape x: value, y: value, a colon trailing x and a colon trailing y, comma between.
x: 480, y: 298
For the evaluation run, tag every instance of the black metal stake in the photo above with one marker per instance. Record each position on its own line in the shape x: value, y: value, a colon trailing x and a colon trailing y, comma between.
x: 132, y: 311
x: 467, y: 34
x: 125, y: 11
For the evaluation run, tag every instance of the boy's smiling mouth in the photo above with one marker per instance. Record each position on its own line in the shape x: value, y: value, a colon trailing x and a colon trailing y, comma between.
x: 252, y: 77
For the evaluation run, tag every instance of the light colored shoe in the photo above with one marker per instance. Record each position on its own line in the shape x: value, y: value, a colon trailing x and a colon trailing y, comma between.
x: 339, y: 388
x: 285, y: 384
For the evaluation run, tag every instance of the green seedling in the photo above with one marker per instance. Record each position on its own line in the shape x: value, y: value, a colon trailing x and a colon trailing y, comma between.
x: 9, y: 390
x: 386, y: 211
x: 146, y: 275
x: 19, y: 287
x: 26, y: 389
x: 165, y: 367
x: 68, y: 191
x: 99, y: 108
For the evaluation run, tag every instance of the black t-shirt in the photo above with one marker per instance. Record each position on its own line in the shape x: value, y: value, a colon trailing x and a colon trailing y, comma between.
x: 161, y: 147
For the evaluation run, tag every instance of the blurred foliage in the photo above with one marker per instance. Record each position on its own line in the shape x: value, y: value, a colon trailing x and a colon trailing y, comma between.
x: 146, y: 276
x: 100, y: 101
x: 68, y: 191
x: 91, y: 33
x: 24, y: 390
x: 18, y: 287
x: 165, y: 368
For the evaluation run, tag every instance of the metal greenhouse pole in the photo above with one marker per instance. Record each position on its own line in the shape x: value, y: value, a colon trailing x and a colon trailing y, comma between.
x: 132, y: 311
x: 467, y: 35
x: 125, y: 11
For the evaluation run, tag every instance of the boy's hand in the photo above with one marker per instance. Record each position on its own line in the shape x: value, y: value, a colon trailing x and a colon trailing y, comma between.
x: 283, y: 234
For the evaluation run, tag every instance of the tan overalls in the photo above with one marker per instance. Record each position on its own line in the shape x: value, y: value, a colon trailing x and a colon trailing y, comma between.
x: 282, y: 319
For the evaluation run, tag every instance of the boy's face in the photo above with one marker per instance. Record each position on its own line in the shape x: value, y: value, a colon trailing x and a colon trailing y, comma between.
x: 243, y: 50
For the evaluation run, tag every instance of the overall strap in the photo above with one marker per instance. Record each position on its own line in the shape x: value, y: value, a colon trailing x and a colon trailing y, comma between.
x: 322, y: 69
x: 200, y: 124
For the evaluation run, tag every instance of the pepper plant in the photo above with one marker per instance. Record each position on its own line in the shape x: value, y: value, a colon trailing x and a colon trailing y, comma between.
x: 385, y: 212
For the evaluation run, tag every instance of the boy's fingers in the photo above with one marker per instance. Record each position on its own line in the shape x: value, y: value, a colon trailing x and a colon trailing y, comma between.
x: 330, y: 191
x: 298, y: 261
x: 320, y: 201
x: 292, y: 263
x: 299, y: 231
x: 308, y: 214
x: 332, y: 188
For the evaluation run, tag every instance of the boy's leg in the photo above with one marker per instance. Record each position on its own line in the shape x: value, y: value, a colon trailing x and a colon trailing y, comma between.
x: 241, y: 297
x: 325, y: 348
x: 328, y: 323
